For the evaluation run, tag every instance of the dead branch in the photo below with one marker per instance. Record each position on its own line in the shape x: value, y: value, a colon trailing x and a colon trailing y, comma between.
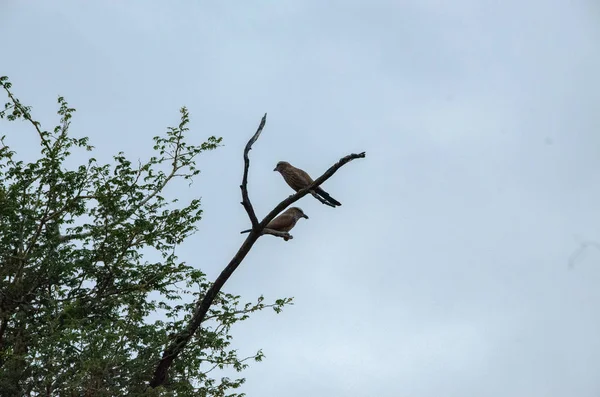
x: 244, y: 186
x: 284, y: 235
x: 179, y: 341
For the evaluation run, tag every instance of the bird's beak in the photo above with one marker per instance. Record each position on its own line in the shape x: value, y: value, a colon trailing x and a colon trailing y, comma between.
x: 305, y: 216
x: 275, y: 169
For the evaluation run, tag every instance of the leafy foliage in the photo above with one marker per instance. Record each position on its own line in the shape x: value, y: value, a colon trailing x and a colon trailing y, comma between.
x: 76, y: 287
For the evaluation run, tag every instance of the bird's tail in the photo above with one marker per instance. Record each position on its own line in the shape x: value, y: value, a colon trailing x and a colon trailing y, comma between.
x: 246, y: 231
x: 326, y: 196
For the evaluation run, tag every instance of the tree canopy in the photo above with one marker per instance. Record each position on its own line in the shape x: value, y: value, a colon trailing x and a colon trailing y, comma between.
x: 88, y: 264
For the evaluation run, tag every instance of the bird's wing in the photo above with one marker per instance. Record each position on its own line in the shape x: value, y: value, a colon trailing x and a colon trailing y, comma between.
x: 296, y: 178
x: 304, y: 176
x: 282, y: 223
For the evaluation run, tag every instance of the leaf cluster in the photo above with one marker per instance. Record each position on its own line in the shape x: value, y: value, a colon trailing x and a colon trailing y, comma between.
x: 91, y: 288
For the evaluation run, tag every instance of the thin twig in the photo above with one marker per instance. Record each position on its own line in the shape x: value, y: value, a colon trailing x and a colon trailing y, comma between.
x: 27, y: 117
x: 243, y: 311
x: 284, y: 235
x: 244, y: 186
x: 174, y: 168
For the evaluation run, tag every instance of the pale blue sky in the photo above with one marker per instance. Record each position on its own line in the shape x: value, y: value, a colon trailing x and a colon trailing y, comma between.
x: 445, y: 270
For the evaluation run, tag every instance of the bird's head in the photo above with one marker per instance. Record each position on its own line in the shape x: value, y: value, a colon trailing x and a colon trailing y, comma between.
x: 281, y: 165
x: 299, y: 213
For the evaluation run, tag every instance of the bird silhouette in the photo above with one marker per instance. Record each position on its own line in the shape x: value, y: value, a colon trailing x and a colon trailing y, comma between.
x: 285, y: 221
x: 298, y: 179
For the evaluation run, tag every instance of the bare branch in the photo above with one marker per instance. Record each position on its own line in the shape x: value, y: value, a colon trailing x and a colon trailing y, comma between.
x: 284, y: 235
x: 179, y: 342
x: 244, y: 186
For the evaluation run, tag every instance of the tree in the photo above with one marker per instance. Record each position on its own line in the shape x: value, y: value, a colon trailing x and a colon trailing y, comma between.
x: 75, y: 289
x: 76, y: 292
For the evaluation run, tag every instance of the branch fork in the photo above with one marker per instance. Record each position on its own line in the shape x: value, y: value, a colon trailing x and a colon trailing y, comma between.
x: 178, y: 342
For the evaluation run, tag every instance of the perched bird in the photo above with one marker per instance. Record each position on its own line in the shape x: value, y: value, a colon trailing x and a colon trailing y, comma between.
x: 298, y: 179
x: 285, y: 221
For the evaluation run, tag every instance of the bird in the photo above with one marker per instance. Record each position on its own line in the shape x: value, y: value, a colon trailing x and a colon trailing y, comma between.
x: 285, y: 221
x: 298, y: 179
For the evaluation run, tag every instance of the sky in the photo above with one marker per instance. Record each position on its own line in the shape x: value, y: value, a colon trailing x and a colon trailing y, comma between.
x: 446, y: 269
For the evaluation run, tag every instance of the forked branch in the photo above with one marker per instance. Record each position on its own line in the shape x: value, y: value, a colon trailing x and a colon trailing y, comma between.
x: 179, y: 342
